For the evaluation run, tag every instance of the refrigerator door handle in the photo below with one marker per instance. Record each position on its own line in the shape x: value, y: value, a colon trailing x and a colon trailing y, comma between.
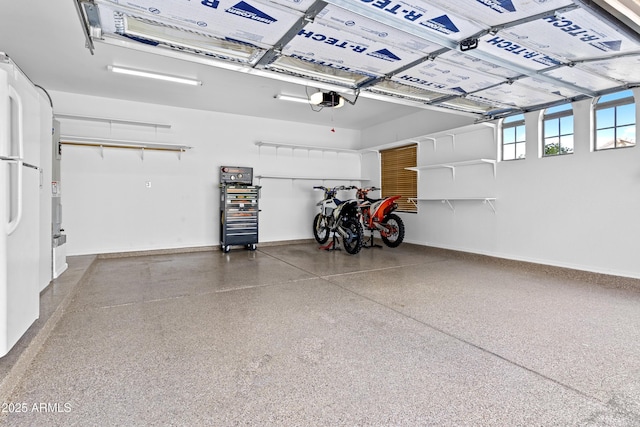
x: 13, y: 94
x: 15, y: 222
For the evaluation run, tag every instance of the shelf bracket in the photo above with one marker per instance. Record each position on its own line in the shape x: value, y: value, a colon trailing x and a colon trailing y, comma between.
x: 493, y: 163
x: 448, y: 202
x: 102, y: 151
x: 453, y: 171
x: 453, y: 140
x: 435, y: 143
x: 490, y: 203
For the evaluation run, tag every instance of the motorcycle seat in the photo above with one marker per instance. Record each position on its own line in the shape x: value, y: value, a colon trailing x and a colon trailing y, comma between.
x: 370, y: 200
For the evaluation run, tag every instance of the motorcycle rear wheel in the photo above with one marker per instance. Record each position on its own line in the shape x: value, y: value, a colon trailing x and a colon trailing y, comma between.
x: 393, y: 222
x: 353, y: 243
x: 320, y: 229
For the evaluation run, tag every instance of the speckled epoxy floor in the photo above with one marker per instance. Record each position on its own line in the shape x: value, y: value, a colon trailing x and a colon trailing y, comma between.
x: 290, y: 335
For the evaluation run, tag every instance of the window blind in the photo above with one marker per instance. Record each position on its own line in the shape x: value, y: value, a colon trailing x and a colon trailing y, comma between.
x: 396, y: 180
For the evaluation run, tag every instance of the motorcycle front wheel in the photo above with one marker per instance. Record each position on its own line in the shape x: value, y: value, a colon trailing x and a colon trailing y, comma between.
x: 394, y: 224
x: 353, y: 242
x: 320, y: 229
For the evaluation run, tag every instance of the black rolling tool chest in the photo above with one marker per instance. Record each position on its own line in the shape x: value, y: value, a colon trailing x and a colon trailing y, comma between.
x: 238, y: 208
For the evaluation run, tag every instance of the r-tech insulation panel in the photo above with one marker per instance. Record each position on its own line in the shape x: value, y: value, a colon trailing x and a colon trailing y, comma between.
x: 488, y: 58
x: 238, y: 208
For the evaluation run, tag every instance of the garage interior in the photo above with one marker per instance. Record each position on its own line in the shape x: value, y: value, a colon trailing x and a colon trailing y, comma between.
x: 513, y: 299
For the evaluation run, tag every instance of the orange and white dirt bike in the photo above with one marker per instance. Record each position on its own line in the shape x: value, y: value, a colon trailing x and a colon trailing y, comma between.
x: 377, y: 215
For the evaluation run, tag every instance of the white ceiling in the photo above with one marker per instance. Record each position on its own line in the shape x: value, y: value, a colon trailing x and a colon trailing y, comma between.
x: 531, y: 53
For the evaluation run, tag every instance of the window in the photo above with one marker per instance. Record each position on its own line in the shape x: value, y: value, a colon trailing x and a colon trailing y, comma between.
x: 513, y: 138
x: 615, y: 116
x: 558, y: 130
x: 396, y: 180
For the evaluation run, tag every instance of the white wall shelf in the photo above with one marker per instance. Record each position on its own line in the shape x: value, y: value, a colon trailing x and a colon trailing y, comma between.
x: 278, y: 145
x: 112, y: 121
x: 453, y: 165
x: 434, y: 136
x: 308, y: 148
x: 450, y: 201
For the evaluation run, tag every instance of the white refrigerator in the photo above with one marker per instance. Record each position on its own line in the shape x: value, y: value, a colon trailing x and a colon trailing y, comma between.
x: 23, y: 122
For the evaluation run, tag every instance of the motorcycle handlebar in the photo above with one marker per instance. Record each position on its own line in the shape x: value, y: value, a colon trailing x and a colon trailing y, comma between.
x: 366, y: 190
x: 339, y: 187
x: 335, y: 189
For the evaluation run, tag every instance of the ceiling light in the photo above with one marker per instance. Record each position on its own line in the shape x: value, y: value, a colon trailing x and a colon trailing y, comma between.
x: 292, y: 98
x: 331, y: 99
x: 153, y: 75
x: 173, y: 37
x: 627, y: 8
x: 323, y: 73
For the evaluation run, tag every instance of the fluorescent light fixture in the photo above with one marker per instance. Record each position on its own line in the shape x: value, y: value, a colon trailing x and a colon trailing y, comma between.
x: 153, y: 75
x: 292, y: 98
x: 627, y: 8
x: 195, y: 42
x: 315, y: 71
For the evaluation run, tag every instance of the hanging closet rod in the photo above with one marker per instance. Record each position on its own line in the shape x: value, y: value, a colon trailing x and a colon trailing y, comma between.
x: 115, y: 143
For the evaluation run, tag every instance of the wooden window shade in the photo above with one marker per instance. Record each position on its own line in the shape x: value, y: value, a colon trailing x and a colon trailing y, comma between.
x: 396, y: 180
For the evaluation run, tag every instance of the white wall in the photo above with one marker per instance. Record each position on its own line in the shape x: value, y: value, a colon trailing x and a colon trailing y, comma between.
x: 108, y: 208
x: 576, y: 211
x: 420, y: 123
x: 399, y: 130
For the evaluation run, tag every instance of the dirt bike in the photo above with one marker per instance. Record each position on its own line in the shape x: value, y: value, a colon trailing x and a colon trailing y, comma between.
x: 340, y: 218
x: 377, y: 215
